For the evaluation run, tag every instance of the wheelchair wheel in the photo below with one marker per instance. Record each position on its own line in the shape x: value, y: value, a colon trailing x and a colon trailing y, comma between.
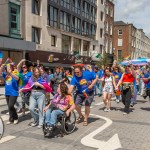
x: 69, y: 123
x: 1, y: 128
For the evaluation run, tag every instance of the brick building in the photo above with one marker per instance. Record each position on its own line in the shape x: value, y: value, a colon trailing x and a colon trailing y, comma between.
x: 124, y: 42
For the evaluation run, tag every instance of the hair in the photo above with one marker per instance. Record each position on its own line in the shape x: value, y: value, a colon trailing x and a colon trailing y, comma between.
x: 34, y: 69
x: 106, y: 69
x: 63, y: 89
x: 79, y: 67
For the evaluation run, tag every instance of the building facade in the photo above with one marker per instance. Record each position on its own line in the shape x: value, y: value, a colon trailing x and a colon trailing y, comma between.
x: 130, y: 42
x: 12, y: 41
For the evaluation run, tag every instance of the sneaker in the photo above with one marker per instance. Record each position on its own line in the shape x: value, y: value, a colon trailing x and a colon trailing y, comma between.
x: 19, y: 110
x: 16, y: 121
x: 131, y: 105
x: 7, y: 113
x: 125, y: 113
x: 9, y: 122
x: 117, y: 101
x: 106, y: 110
x: 33, y: 124
x: 40, y: 126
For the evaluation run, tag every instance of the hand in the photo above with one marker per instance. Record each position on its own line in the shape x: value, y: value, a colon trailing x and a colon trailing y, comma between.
x: 20, y: 90
x: 36, y: 84
x: 67, y: 113
x: 23, y: 60
x: 90, y: 86
x: 45, y: 109
x: 9, y: 71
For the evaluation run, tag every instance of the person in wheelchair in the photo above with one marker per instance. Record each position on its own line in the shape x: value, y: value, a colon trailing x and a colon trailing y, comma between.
x: 62, y: 103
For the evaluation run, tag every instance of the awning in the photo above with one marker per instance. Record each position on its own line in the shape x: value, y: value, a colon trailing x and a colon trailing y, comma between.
x: 16, y: 44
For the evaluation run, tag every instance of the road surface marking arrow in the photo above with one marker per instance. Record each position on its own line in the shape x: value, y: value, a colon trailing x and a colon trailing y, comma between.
x: 112, y: 144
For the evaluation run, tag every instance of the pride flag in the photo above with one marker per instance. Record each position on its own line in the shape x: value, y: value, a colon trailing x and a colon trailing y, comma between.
x: 30, y: 84
x: 1, y: 57
x: 69, y: 77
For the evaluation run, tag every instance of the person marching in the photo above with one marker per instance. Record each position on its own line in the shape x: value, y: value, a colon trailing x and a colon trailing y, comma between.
x: 109, y: 85
x: 11, y: 91
x: 23, y: 69
x: 127, y: 81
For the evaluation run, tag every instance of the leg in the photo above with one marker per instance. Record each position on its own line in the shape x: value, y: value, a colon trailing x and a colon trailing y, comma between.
x: 128, y: 100
x: 41, y: 104
x: 32, y: 106
x: 87, y: 112
x: 123, y: 92
x: 109, y: 101
x: 105, y: 95
x: 54, y: 115
x: 48, y: 117
x: 10, y: 117
x: 12, y: 110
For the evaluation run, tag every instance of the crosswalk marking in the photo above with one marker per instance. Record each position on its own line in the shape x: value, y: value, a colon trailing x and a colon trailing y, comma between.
x: 7, y: 138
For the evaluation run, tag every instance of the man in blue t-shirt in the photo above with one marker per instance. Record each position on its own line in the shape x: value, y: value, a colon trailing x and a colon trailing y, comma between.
x: 84, y: 81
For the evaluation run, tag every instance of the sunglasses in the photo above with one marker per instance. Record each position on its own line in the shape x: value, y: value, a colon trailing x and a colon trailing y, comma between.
x: 76, y: 72
x: 24, y: 67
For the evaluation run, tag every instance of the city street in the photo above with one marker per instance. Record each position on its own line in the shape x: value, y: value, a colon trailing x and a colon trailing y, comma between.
x: 106, y: 130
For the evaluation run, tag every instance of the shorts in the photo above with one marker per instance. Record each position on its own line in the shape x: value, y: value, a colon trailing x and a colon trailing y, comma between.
x: 80, y: 98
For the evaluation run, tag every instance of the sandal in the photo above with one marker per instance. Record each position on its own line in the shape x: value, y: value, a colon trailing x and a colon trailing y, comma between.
x: 79, y: 119
x: 85, y: 123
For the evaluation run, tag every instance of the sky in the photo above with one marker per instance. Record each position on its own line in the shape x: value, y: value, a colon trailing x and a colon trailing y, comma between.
x: 134, y: 11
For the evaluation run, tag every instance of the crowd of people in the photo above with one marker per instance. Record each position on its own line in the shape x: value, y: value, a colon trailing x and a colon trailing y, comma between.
x: 71, y: 89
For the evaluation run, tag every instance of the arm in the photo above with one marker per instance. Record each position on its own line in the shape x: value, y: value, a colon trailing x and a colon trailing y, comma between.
x: 38, y: 84
x: 1, y: 68
x: 14, y: 76
x: 114, y: 83
x: 70, y: 109
x: 120, y: 81
x: 93, y: 83
x: 71, y: 89
x: 20, y: 64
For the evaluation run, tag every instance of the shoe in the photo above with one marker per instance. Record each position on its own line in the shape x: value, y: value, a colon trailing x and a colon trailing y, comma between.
x: 117, y: 101
x: 40, y: 126
x: 125, y: 113
x: 16, y: 121
x: 9, y: 122
x: 33, y: 124
x: 7, y: 113
x: 106, y: 110
x: 131, y: 105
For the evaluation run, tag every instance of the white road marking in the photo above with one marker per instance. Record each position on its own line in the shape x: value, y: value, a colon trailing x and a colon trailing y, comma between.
x: 98, y: 104
x: 6, y: 117
x: 7, y: 138
x: 112, y: 144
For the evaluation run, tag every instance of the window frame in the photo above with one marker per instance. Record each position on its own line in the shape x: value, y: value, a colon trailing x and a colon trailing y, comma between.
x: 38, y: 2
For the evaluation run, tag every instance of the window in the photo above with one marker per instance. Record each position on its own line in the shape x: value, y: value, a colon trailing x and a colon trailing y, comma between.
x: 93, y: 14
x: 56, y: 1
x: 102, y: 16
x: 85, y: 9
x: 119, y: 54
x: 85, y: 28
x: 93, y: 47
x: 86, y: 46
x: 93, y: 29
x: 52, y: 16
x: 14, y: 20
x: 110, y: 47
x: 102, y: 2
x: 77, y: 45
x: 119, y: 42
x: 111, y: 29
x: 64, y: 21
x: 36, y: 7
x: 101, y: 32
x: 36, y: 35
x: 65, y: 3
x: 66, y: 44
x: 76, y: 25
x: 53, y: 40
x: 101, y: 49
x: 94, y: 1
x: 76, y: 6
x: 120, y: 32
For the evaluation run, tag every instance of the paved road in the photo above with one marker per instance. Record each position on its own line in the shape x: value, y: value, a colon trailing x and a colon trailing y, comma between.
x: 131, y: 130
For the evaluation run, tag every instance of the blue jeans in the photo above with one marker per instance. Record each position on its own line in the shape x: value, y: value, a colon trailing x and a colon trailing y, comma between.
x: 51, y: 116
x: 37, y: 99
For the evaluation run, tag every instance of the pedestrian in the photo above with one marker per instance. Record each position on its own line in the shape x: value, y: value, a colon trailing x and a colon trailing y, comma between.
x: 23, y: 70
x: 11, y: 91
x: 109, y: 85
x: 84, y: 81
x: 127, y: 81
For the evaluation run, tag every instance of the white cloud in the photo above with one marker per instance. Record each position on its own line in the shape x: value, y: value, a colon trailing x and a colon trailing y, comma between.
x: 134, y: 11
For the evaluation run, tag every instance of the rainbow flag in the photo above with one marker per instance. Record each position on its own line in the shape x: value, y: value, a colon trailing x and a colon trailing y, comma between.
x: 69, y: 76
x: 128, y: 57
x: 1, y: 57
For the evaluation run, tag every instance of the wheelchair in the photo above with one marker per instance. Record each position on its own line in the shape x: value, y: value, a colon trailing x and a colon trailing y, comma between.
x: 65, y: 125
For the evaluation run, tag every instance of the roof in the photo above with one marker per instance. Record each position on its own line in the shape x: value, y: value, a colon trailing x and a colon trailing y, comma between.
x: 120, y: 23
